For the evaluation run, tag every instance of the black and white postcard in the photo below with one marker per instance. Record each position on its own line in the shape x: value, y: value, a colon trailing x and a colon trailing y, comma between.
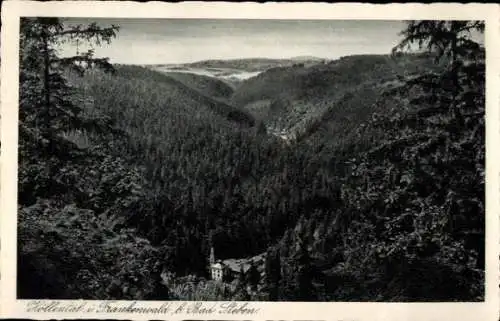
x: 249, y: 161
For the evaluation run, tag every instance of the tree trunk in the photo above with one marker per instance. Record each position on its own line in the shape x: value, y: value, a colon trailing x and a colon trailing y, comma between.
x: 455, y: 82
x: 46, y: 80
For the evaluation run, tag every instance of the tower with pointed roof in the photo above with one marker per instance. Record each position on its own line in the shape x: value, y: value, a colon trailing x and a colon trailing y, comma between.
x: 212, y: 256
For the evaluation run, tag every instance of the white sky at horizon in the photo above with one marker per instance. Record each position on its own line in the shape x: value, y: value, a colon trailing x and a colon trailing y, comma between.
x: 164, y: 41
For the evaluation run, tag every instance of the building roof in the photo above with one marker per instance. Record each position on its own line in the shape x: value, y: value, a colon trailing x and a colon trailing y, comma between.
x: 236, y: 264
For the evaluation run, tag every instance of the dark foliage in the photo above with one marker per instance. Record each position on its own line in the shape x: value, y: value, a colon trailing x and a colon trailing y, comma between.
x: 127, y: 178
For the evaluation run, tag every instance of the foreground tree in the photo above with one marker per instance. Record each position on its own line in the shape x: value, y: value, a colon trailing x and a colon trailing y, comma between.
x: 73, y: 200
x: 418, y: 197
x: 303, y: 272
x: 451, y: 39
x: 42, y: 69
x: 48, y: 106
x: 273, y: 273
x: 253, y: 276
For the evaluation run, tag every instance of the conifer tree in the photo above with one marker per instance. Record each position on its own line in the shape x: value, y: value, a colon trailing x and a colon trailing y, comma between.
x: 241, y: 290
x: 42, y: 69
x: 48, y: 105
x: 63, y: 188
x: 450, y: 40
x: 273, y: 273
x: 428, y: 200
x: 253, y: 276
x: 303, y: 272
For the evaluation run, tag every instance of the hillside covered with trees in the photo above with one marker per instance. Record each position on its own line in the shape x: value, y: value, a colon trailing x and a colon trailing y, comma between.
x: 129, y: 176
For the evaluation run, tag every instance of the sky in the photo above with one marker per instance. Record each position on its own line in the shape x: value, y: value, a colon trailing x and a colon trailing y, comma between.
x: 166, y: 41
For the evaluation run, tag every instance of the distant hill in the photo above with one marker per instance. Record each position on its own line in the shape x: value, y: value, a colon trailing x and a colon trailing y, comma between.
x: 217, y: 78
x: 168, y: 99
x: 308, y: 58
x: 289, y: 98
x: 208, y: 86
x: 183, y: 92
x: 231, y: 72
x: 249, y: 64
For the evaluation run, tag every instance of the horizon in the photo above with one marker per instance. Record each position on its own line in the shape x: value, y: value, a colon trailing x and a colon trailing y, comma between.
x: 236, y: 59
x: 184, y: 41
x: 258, y: 58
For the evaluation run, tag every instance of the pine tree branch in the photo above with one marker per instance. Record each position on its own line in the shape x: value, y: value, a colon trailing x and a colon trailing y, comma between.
x: 89, y: 32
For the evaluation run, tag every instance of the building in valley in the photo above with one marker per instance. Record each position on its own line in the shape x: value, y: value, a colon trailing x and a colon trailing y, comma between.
x: 230, y: 269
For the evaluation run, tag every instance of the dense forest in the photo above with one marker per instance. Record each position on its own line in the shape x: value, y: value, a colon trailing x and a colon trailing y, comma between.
x: 129, y: 176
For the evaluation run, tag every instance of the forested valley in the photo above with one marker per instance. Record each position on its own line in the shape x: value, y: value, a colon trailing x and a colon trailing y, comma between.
x: 129, y: 176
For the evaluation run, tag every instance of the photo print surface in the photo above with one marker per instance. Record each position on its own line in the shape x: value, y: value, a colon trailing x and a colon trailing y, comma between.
x: 251, y: 160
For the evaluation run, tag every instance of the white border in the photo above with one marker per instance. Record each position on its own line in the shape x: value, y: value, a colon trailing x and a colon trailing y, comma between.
x: 12, y: 10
